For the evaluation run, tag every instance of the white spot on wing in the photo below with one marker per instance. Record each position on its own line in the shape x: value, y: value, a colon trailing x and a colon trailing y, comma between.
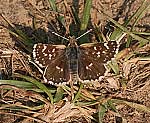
x: 98, y: 53
x: 90, y: 64
x: 45, y: 54
x: 98, y: 56
x: 34, y: 51
x: 50, y: 56
x: 53, y: 50
x: 95, y: 48
x: 44, y: 48
x: 104, y: 52
x: 105, y: 44
x: 57, y: 67
x: 50, y: 82
x: 35, y: 45
x: 101, y: 78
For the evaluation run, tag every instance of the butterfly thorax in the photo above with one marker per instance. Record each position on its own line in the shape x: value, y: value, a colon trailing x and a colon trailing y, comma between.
x: 72, y: 56
x: 72, y: 42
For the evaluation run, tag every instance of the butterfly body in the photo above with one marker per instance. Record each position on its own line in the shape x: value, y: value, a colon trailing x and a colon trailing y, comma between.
x: 72, y: 54
x: 84, y: 63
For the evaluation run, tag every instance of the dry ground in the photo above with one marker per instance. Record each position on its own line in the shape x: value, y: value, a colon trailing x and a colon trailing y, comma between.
x: 135, y: 70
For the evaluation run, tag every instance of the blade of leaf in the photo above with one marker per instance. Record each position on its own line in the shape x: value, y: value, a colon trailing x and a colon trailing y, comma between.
x: 23, y: 84
x: 17, y: 83
x: 114, y: 66
x: 24, y: 39
x: 138, y: 14
x: 38, y: 84
x: 142, y: 41
x: 111, y: 105
x: 78, y: 93
x: 86, y: 15
x: 137, y: 106
x: 59, y: 94
x: 53, y: 5
x: 101, y: 112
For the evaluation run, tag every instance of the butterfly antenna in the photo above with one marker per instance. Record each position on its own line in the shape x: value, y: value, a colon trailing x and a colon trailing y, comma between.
x: 83, y: 34
x: 58, y: 35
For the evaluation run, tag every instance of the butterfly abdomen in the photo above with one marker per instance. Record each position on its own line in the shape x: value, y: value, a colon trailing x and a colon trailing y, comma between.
x: 72, y: 55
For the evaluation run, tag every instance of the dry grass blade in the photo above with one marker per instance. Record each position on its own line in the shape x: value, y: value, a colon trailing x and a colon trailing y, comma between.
x: 38, y: 84
x: 17, y: 99
x: 25, y: 41
x: 139, y: 107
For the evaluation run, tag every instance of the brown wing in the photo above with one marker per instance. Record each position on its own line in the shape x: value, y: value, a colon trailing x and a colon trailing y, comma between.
x: 53, y: 59
x: 93, y: 57
x: 57, y: 72
x: 102, y: 52
x: 90, y: 68
x: 43, y: 54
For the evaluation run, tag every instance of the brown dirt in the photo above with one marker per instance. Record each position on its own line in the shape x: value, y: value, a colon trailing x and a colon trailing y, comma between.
x: 135, y: 71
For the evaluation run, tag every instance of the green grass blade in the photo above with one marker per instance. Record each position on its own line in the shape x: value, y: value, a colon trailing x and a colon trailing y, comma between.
x: 140, y: 12
x: 78, y: 93
x: 99, y: 34
x: 23, y: 84
x: 53, y: 5
x: 141, y: 33
x: 138, y: 15
x: 86, y: 15
x: 114, y: 66
x: 75, y: 16
x: 129, y: 40
x: 38, y: 84
x: 111, y: 105
x: 54, y: 8
x: 101, y: 112
x: 142, y: 41
x: 17, y: 83
x: 59, y: 94
x: 25, y: 41
x: 116, y: 34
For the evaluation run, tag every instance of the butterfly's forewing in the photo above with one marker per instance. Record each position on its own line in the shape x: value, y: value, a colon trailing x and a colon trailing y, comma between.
x: 93, y: 57
x: 102, y: 52
x: 54, y: 60
x: 43, y: 54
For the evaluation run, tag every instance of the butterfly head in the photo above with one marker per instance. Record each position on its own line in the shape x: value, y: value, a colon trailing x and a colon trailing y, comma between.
x: 72, y: 41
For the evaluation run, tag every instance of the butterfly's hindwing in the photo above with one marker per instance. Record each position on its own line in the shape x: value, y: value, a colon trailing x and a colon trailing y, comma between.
x: 57, y: 72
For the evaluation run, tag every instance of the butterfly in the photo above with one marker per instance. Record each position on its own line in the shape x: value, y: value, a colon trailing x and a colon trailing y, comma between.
x: 85, y: 62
